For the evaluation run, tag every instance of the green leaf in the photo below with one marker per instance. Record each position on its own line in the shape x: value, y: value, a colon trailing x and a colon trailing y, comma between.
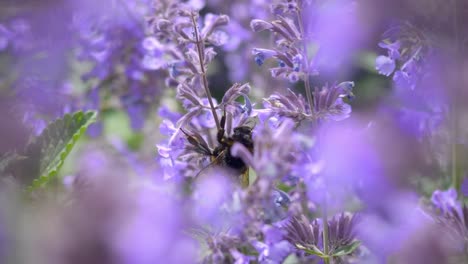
x: 312, y: 249
x: 347, y: 249
x: 47, y: 152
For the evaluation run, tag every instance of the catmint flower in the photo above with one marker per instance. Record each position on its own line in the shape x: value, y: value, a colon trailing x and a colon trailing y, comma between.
x: 122, y: 58
x: 446, y: 201
x: 406, y: 52
x: 308, y: 236
x: 269, y: 160
x: 385, y: 65
x: 222, y: 247
x: 289, y: 39
x: 274, y: 248
x: 328, y: 104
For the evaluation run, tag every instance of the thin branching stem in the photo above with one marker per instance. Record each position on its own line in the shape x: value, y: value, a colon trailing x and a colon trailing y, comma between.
x: 325, y: 230
x: 306, y: 62
x: 201, y: 58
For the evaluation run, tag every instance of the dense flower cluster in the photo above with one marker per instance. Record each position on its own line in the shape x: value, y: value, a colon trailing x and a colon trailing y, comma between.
x: 245, y: 168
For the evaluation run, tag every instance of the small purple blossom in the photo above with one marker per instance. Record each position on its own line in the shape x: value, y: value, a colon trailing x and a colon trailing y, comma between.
x: 446, y: 201
x: 384, y: 65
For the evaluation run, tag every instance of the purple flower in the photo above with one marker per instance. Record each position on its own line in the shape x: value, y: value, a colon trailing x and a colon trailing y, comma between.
x: 241, y: 258
x: 393, y: 49
x: 340, y: 31
x: 384, y: 65
x: 154, y: 233
x: 308, y: 236
x: 269, y: 160
x: 275, y: 253
x: 289, y: 49
x: 211, y: 196
x: 385, y: 231
x: 446, y: 201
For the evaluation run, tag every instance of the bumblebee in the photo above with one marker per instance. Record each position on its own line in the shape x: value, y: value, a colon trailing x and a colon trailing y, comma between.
x: 221, y: 155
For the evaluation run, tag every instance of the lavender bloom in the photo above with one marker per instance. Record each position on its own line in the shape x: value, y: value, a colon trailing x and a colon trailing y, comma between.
x: 451, y: 217
x: 269, y: 160
x: 39, y: 82
x: 274, y: 249
x: 328, y: 104
x: 308, y: 236
x: 190, y: 59
x: 446, y: 201
x: 384, y: 65
x: 113, y: 45
x: 406, y: 46
x: 186, y: 205
x: 155, y: 233
x: 290, y: 51
x: 174, y: 26
x: 212, y: 197
x: 240, y: 258
x: 192, y: 159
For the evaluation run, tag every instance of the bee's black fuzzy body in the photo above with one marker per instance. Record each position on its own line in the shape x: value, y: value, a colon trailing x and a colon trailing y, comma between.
x: 221, y: 155
x: 242, y: 135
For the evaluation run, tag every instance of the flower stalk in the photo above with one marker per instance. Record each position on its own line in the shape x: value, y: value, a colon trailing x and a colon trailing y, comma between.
x: 306, y: 62
x: 326, y: 249
x: 201, y: 58
x: 456, y: 182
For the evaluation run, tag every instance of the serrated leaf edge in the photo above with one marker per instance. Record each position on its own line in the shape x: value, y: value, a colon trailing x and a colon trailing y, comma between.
x: 45, y: 178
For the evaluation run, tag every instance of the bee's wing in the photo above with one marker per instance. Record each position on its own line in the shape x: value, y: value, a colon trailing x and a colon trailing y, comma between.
x: 250, y: 122
x: 197, y: 142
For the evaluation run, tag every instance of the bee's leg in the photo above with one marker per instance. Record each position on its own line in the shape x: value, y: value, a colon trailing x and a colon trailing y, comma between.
x: 191, y: 139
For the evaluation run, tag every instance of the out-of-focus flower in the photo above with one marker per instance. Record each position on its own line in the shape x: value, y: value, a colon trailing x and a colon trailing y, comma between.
x: 212, y: 197
x: 339, y: 30
x: 155, y: 233
x: 384, y: 65
x: 274, y: 248
x: 114, y: 49
x: 446, y: 201
x: 36, y: 75
x: 406, y: 47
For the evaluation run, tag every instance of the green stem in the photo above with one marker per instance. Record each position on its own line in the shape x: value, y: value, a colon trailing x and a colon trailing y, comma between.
x: 456, y: 182
x: 306, y: 62
x: 325, y: 230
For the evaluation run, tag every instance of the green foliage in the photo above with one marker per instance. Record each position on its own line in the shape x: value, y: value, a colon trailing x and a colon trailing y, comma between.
x: 346, y: 250
x: 56, y: 142
x: 339, y: 252
x: 45, y: 154
x: 312, y: 250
